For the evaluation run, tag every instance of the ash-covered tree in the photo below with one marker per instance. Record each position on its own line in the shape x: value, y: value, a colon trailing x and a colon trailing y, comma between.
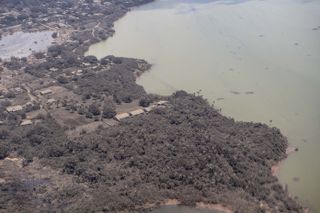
x: 145, y: 101
x: 109, y: 110
x: 94, y: 109
x: 10, y: 94
x: 39, y: 55
x: 90, y: 59
x: 89, y: 115
x: 63, y: 80
x: 4, y: 133
x: 54, y: 35
x: 126, y: 97
x: 55, y: 50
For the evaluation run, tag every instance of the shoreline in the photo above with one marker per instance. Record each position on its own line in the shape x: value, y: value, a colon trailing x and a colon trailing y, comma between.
x: 275, y: 169
x: 199, y: 205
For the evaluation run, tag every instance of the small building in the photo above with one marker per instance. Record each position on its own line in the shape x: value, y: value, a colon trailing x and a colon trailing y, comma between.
x: 159, y: 103
x: 15, y: 108
x: 149, y: 108
x: 77, y: 72
x: 136, y: 112
x: 1, y: 123
x: 121, y: 116
x: 18, y: 90
x: 26, y: 122
x: 51, y: 101
x: 53, y: 69
x: 46, y: 92
x: 29, y: 104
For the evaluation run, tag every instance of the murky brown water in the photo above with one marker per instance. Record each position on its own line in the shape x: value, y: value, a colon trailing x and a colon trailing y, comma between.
x: 258, y: 60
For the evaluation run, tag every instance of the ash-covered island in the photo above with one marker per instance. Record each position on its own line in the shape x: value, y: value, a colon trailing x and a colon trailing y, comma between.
x: 77, y: 134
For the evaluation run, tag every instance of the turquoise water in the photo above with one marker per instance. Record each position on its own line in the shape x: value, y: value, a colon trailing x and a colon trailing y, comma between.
x: 256, y: 60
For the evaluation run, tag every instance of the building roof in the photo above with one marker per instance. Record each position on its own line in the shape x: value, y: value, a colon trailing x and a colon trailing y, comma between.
x: 29, y: 103
x: 51, y: 100
x: 149, y: 108
x: 137, y: 112
x: 18, y: 89
x: 162, y: 102
x: 121, y: 116
x: 26, y: 122
x: 46, y: 91
x: 14, y: 108
x: 53, y: 69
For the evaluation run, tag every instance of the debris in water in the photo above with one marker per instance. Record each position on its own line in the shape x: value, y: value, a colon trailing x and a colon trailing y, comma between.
x: 296, y: 179
x: 235, y: 92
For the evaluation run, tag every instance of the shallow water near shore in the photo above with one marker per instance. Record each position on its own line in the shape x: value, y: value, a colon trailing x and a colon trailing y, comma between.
x: 22, y: 44
x: 257, y: 60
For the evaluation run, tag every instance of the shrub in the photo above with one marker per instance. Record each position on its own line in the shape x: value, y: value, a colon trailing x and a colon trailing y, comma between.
x: 10, y: 94
x: 94, y: 109
x: 62, y: 80
x: 90, y: 59
x: 109, y: 110
x: 145, y: 102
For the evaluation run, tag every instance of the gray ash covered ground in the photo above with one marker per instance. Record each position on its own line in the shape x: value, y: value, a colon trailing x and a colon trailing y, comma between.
x: 88, y: 20
x: 185, y: 151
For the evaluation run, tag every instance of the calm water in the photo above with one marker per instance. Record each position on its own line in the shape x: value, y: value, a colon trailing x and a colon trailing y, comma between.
x: 257, y: 60
x: 23, y: 44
